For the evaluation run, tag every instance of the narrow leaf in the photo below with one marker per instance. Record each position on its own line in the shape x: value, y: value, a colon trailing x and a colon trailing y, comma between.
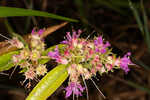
x: 109, y: 5
x: 147, y: 34
x: 132, y: 84
x: 49, y: 83
x: 12, y: 11
x: 5, y: 60
x: 137, y: 17
x: 8, y: 26
x: 140, y: 63
x: 123, y: 4
x: 138, y: 86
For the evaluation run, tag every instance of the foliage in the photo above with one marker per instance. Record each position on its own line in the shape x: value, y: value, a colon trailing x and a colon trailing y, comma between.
x: 12, y: 12
x: 48, y: 85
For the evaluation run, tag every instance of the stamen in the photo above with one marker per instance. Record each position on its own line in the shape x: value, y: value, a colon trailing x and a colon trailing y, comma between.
x: 13, y: 72
x: 98, y: 89
x: 4, y: 73
x: 89, y: 35
x: 36, y: 79
x: 77, y: 97
x: 73, y: 95
x: 4, y: 37
x: 86, y: 88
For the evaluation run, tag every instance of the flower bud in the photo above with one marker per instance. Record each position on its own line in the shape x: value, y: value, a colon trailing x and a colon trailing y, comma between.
x: 35, y: 55
x: 30, y: 74
x: 41, y: 70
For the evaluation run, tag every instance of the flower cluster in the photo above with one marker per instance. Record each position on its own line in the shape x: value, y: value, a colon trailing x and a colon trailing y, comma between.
x: 28, y: 58
x: 85, y: 58
x: 16, y: 43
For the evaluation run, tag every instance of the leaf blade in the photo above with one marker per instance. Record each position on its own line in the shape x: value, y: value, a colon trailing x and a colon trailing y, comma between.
x: 5, y: 60
x: 49, y: 83
x: 137, y: 17
x: 145, y: 19
x: 12, y: 11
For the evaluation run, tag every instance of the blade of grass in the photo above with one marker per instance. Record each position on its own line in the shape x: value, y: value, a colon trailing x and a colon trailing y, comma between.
x: 29, y: 5
x: 137, y: 17
x: 121, y: 3
x: 142, y: 88
x: 140, y: 63
x: 5, y: 60
x: 147, y: 34
x: 81, y: 10
x: 132, y: 84
x: 109, y: 5
x: 12, y: 12
x: 142, y: 26
x: 8, y: 26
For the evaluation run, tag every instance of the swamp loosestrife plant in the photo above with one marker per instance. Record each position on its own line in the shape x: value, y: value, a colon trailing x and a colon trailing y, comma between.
x: 83, y: 57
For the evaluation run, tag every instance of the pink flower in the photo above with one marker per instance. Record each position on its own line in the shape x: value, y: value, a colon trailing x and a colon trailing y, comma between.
x: 16, y: 58
x: 124, y: 62
x: 33, y: 31
x: 109, y: 66
x: 99, y: 66
x: 55, y: 54
x: 66, y: 53
x: 16, y: 42
x: 100, y: 46
x: 93, y: 71
x: 30, y: 74
x: 72, y: 40
x: 40, y: 32
x: 74, y: 88
x: 62, y: 61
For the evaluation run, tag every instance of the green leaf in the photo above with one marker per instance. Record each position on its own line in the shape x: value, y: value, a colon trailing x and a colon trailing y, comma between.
x: 82, y: 11
x: 11, y: 12
x: 147, y: 34
x: 49, y: 83
x: 137, y: 17
x: 110, y: 5
x: 142, y: 88
x: 123, y: 4
x: 120, y: 3
x: 142, y: 26
x: 8, y: 26
x: 140, y: 63
x: 5, y: 60
x: 132, y: 84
